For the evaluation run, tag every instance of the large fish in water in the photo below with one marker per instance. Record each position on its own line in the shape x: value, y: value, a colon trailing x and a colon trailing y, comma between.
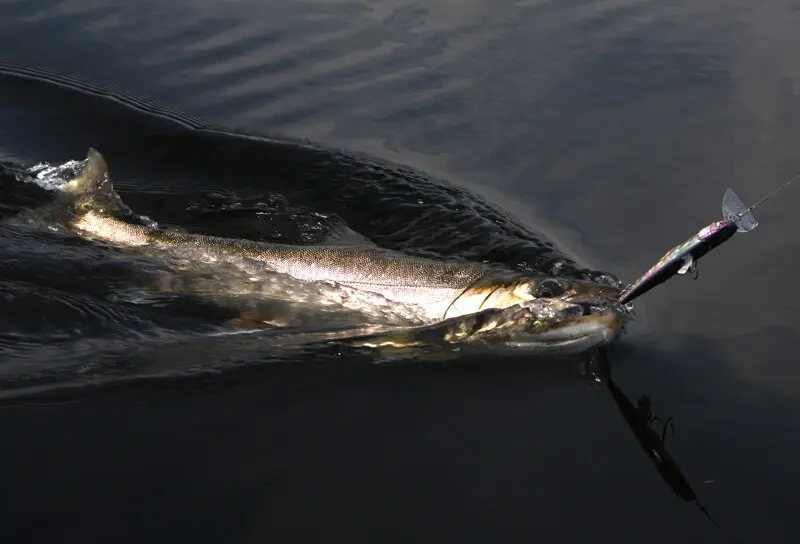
x: 455, y: 301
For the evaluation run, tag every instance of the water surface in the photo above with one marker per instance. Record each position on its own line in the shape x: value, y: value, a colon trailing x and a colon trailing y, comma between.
x: 609, y: 128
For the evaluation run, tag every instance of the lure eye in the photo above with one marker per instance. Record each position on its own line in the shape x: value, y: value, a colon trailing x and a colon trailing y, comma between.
x: 549, y: 289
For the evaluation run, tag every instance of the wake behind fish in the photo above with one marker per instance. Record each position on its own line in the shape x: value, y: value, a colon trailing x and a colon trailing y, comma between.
x: 110, y: 313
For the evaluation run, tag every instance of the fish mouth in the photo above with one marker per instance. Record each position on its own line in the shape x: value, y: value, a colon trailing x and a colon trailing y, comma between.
x: 599, y: 324
x: 593, y: 294
x: 554, y: 327
x: 601, y: 321
x: 583, y: 316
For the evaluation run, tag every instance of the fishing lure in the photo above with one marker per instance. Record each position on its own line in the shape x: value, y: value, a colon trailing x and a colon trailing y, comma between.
x: 683, y: 258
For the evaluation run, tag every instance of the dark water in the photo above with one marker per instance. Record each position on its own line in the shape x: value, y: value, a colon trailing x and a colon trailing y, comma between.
x: 609, y: 128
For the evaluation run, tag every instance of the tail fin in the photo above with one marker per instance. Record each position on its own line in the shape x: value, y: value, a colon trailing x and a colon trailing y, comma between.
x: 91, y: 188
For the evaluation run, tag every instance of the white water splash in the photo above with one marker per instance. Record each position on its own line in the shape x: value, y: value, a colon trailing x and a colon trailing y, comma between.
x: 52, y: 177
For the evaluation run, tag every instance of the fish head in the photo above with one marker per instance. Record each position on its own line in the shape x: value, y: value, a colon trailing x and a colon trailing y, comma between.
x: 573, y: 316
x: 502, y: 292
x: 577, y: 328
x: 570, y: 290
x: 542, y: 314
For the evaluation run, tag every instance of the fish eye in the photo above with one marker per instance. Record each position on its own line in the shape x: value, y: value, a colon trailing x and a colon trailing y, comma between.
x: 548, y: 289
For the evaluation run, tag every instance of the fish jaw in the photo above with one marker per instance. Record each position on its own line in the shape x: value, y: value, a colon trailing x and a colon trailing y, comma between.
x: 587, y: 292
x: 540, y: 327
x: 573, y: 336
x: 498, y: 293
x: 554, y: 327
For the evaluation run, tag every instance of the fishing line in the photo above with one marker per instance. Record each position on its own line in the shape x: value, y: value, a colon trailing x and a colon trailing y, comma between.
x: 705, y: 512
x: 770, y: 195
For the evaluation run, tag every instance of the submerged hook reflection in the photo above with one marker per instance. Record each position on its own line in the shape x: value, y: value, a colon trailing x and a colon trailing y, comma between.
x: 645, y: 408
x: 665, y: 425
x: 640, y: 418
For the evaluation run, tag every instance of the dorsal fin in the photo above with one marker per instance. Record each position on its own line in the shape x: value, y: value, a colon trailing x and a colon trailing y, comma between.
x: 342, y: 235
x: 91, y: 188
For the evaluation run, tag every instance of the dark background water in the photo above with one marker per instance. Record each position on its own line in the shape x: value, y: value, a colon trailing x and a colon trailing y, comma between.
x: 612, y: 127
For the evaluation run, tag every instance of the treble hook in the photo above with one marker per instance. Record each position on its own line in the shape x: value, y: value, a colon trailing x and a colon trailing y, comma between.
x: 645, y: 407
x: 668, y: 424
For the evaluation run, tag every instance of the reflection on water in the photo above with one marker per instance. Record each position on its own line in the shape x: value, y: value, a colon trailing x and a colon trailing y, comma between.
x: 640, y: 419
x: 611, y: 127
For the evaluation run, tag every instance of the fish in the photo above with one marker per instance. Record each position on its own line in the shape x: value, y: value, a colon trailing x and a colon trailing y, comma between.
x: 546, y: 310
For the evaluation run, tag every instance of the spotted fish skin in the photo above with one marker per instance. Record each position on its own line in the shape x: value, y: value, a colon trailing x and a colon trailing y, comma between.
x: 434, y: 285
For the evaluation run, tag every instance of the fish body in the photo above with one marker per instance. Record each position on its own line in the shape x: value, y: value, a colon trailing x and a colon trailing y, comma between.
x: 442, y: 290
x: 681, y: 259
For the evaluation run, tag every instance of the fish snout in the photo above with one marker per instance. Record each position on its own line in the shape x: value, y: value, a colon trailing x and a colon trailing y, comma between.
x: 593, y: 296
